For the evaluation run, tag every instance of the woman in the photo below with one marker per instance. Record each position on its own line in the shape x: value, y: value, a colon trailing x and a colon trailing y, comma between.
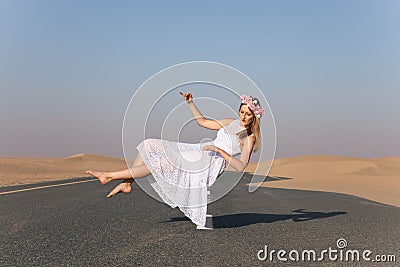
x: 162, y: 160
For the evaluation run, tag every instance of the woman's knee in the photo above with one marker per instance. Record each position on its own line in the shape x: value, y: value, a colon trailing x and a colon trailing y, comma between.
x: 139, y: 160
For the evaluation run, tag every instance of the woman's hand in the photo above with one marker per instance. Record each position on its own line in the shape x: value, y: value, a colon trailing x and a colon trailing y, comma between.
x: 211, y: 148
x: 187, y: 97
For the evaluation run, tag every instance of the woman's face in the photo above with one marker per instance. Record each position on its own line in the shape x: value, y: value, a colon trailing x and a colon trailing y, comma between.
x: 246, y: 116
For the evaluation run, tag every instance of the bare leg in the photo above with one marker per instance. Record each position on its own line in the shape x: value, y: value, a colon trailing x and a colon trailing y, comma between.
x: 138, y: 161
x: 126, y: 185
x: 105, y: 177
x: 138, y: 170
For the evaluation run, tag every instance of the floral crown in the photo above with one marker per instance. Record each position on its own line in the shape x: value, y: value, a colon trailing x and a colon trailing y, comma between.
x: 253, y: 104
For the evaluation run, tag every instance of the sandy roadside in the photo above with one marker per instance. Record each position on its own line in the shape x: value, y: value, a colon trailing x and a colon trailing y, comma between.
x: 375, y: 179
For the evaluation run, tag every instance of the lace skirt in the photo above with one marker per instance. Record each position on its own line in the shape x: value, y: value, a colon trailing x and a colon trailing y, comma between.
x: 181, y: 174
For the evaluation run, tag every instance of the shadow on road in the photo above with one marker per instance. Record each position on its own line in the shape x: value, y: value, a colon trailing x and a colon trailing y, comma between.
x: 247, y: 175
x: 243, y: 219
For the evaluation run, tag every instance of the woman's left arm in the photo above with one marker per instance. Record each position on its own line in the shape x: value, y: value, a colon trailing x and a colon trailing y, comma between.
x: 239, y: 165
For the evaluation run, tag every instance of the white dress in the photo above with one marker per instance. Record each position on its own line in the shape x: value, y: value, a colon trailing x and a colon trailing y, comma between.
x: 182, y: 172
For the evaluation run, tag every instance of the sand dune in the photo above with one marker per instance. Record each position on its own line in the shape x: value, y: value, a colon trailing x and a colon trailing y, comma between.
x: 31, y: 170
x: 376, y: 179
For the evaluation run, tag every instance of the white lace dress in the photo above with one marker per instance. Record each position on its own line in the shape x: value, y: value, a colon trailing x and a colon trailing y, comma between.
x: 182, y: 172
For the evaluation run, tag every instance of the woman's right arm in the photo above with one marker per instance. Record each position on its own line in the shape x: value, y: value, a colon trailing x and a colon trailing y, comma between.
x: 206, y: 123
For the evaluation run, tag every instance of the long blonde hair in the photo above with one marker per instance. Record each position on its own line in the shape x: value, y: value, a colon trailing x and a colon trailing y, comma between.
x: 253, y: 128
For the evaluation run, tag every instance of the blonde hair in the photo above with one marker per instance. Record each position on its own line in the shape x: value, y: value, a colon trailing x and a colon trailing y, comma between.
x: 253, y: 128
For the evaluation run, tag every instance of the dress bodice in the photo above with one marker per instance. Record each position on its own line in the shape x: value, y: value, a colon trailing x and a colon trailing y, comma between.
x: 227, y: 138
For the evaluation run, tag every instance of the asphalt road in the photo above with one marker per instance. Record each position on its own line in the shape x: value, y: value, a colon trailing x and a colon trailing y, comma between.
x: 76, y: 225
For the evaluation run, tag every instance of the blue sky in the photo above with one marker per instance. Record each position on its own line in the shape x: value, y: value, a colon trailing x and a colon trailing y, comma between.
x: 329, y: 69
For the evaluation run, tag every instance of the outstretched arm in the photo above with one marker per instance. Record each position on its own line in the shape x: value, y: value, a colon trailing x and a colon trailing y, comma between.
x: 239, y: 165
x: 203, y: 122
x: 196, y: 112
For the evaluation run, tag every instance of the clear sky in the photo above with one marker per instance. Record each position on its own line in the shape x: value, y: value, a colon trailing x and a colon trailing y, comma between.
x: 329, y: 69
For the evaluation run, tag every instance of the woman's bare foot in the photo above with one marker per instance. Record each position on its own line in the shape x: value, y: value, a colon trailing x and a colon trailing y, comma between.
x: 102, y: 176
x: 124, y: 187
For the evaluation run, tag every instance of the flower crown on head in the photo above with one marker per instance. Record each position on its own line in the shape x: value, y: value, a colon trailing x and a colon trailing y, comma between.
x: 253, y: 104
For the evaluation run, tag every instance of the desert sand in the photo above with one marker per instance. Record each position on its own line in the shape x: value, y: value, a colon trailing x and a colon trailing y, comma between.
x: 15, y: 171
x: 375, y: 179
